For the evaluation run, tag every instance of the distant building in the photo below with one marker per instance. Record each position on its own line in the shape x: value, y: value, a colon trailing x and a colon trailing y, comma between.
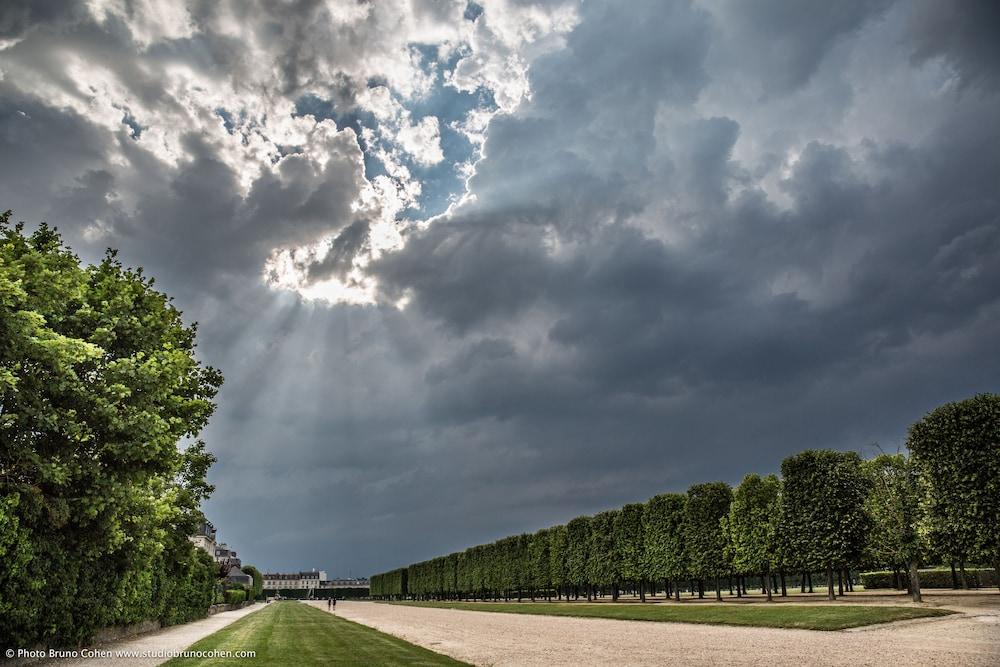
x: 238, y: 576
x: 345, y: 583
x: 224, y: 553
x: 278, y: 580
x: 204, y: 539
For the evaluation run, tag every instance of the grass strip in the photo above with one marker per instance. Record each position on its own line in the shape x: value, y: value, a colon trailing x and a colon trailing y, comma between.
x: 805, y: 617
x: 296, y: 634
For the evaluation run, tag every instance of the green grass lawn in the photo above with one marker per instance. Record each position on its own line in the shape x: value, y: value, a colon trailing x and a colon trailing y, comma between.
x: 294, y: 633
x: 807, y: 617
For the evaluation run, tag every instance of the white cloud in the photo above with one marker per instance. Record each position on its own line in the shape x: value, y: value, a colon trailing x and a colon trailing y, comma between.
x: 422, y: 140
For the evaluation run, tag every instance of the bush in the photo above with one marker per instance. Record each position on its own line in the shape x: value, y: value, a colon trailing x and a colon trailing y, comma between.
x: 290, y: 593
x: 235, y: 596
x: 932, y: 578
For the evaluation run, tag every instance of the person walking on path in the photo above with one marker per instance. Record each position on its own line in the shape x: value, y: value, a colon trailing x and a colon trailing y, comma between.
x: 334, y: 601
x: 328, y: 603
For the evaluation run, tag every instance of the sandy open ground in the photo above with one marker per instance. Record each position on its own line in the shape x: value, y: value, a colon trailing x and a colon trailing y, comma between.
x: 484, y: 638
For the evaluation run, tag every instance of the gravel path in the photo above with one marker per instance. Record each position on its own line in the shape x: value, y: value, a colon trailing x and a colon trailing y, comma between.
x: 174, y: 638
x: 485, y: 638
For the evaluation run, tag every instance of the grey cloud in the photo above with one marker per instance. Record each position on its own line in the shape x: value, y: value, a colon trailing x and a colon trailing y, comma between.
x: 784, y: 43
x: 964, y: 33
x: 19, y: 16
x: 342, y: 250
x: 625, y: 307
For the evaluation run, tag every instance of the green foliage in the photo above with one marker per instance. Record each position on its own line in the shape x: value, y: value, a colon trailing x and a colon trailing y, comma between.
x: 823, y: 521
x: 558, y: 546
x: 578, y: 533
x: 628, y: 540
x: 956, y: 449
x: 235, y: 596
x: 752, y: 524
x: 603, y: 564
x: 893, y: 505
x: 539, y: 565
x: 99, y: 382
x: 663, y: 537
x: 931, y: 578
x: 704, y: 539
x: 257, y: 589
x: 820, y: 516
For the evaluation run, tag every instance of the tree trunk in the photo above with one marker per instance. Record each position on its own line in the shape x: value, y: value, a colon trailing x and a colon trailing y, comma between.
x: 701, y: 589
x: 810, y: 582
x: 718, y: 590
x: 954, y: 576
x: 840, y: 582
x: 784, y: 588
x: 914, y: 582
x: 764, y: 584
x: 829, y: 583
x: 642, y: 590
x: 961, y: 570
x: 803, y: 583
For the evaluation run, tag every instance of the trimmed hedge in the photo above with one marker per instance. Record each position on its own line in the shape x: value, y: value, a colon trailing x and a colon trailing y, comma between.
x: 235, y: 596
x: 932, y: 578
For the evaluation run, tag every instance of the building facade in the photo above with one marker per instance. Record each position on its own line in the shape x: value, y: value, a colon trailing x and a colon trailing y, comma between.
x: 204, y: 539
x: 224, y: 553
x: 301, y: 580
x: 345, y: 583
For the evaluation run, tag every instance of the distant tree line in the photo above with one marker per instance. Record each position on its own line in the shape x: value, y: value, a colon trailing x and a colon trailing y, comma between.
x: 829, y: 513
x: 99, y: 383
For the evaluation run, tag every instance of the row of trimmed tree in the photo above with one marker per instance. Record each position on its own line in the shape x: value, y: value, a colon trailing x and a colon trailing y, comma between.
x: 830, y: 512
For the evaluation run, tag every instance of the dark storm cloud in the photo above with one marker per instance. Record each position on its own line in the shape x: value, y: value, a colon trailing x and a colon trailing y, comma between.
x: 964, y: 34
x: 784, y: 42
x: 716, y: 233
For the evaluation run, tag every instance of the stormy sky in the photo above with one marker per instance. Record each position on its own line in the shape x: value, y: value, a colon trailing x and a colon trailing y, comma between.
x: 475, y: 269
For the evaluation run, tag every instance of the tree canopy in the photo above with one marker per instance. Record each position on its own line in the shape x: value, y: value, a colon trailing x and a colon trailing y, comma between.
x: 752, y: 523
x: 101, y: 396
x: 956, y: 449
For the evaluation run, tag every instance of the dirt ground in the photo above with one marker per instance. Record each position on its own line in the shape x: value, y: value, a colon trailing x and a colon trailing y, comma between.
x: 482, y: 638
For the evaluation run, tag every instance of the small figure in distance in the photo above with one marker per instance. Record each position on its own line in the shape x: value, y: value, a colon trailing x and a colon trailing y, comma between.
x: 328, y: 604
x: 334, y: 601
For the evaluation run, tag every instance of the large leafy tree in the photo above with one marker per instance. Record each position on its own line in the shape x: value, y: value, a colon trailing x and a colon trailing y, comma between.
x: 752, y: 525
x: 663, y: 538
x: 538, y: 559
x: 956, y: 449
x: 578, y: 543
x: 704, y: 539
x: 628, y: 539
x: 558, y: 545
x: 824, y: 523
x: 893, y: 504
x: 603, y: 564
x: 99, y: 384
